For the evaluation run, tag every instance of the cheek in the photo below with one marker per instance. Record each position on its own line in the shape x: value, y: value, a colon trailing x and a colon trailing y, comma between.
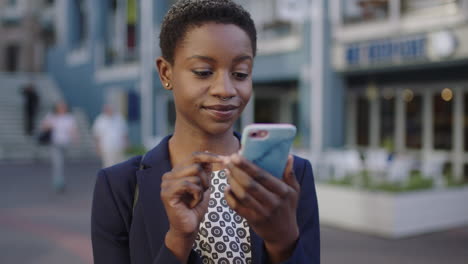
x: 245, y: 92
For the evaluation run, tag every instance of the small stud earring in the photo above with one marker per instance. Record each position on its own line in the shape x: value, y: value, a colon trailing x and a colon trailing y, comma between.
x: 167, y: 85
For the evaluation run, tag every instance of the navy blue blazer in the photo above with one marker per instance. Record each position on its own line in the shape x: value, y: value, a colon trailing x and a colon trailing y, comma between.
x: 123, y: 234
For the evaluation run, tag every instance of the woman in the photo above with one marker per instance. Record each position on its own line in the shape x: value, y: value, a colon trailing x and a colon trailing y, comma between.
x: 174, y: 205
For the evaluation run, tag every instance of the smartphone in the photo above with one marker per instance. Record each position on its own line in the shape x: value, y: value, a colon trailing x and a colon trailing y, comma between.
x: 268, y: 146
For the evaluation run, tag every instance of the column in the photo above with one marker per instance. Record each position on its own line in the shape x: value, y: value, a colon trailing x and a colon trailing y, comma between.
x: 146, y: 71
x: 351, y: 120
x: 428, y: 140
x: 374, y: 128
x: 400, y: 123
x: 458, y: 139
x: 317, y: 10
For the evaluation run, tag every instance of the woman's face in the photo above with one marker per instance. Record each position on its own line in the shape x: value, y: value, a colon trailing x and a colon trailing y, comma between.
x: 211, y: 77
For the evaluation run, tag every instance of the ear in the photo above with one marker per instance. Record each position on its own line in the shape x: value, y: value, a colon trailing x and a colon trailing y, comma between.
x: 165, y: 72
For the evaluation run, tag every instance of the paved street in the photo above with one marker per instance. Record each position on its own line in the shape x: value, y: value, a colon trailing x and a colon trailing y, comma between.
x: 38, y: 226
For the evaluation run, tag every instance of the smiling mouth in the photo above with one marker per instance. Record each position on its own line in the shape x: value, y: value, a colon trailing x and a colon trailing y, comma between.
x: 221, y: 112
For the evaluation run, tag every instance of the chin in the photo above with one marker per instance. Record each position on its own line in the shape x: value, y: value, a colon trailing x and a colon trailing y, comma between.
x: 219, y: 128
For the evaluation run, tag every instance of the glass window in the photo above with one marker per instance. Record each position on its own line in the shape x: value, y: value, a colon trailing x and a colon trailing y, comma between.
x: 443, y: 122
x: 275, y: 103
x: 268, y: 22
x: 11, y: 58
x: 80, y: 19
x: 171, y: 116
x: 363, y: 121
x: 364, y: 10
x: 122, y: 35
x: 132, y: 19
x: 466, y: 121
x: 414, y: 122
x: 387, y: 124
x: 465, y: 169
x: 430, y: 7
x: 267, y: 110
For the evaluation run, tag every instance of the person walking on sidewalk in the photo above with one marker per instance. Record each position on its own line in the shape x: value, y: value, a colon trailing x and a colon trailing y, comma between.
x: 110, y: 133
x: 31, y: 106
x: 63, y: 128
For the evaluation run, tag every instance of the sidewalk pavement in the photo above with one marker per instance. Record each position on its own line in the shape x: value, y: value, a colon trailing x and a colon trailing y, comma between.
x: 38, y: 226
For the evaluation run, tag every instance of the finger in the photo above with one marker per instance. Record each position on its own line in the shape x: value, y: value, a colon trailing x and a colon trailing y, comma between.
x: 183, y: 191
x: 237, y: 206
x: 191, y: 170
x: 201, y: 158
x: 289, y: 176
x: 206, y: 157
x: 245, y: 198
x: 270, y: 182
x: 252, y: 187
x: 169, y: 182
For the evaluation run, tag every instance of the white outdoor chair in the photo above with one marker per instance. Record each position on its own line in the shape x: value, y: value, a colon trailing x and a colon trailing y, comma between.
x: 376, y: 163
x: 432, y: 167
x: 341, y: 163
x: 400, y: 168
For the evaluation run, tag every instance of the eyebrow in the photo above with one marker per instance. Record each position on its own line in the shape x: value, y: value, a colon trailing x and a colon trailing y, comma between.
x: 206, y: 58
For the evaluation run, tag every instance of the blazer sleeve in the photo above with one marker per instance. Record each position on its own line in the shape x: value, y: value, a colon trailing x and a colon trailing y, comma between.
x: 109, y: 234
x: 110, y: 228
x: 307, y: 249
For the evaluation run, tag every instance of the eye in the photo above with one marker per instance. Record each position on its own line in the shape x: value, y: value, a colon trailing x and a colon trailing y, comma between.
x: 240, y: 75
x: 202, y: 74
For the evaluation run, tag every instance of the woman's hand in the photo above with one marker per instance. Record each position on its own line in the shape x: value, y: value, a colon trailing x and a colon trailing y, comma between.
x: 268, y: 204
x: 185, y: 194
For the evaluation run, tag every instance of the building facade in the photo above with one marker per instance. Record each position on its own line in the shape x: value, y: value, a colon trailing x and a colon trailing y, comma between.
x: 25, y: 30
x: 404, y: 64
x: 105, y: 52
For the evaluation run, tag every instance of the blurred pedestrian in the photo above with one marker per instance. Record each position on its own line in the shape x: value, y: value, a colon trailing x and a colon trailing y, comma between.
x: 31, y: 106
x: 64, y: 131
x: 110, y: 133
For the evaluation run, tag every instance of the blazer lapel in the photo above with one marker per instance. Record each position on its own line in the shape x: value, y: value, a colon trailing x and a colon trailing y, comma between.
x: 257, y: 247
x: 157, y: 162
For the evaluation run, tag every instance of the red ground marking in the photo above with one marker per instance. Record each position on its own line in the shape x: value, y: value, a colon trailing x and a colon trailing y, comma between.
x: 77, y: 244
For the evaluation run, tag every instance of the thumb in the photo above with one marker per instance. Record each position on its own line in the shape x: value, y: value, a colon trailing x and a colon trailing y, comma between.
x: 289, y: 177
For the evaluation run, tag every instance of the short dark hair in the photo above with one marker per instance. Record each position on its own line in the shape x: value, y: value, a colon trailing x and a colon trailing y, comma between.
x: 193, y: 13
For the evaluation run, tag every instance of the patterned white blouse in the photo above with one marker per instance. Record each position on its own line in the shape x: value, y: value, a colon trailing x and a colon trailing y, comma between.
x: 223, y: 237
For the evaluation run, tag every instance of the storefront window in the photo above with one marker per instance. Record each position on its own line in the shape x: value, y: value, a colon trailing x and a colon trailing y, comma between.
x: 364, y: 10
x: 363, y: 121
x: 275, y: 103
x: 414, y: 122
x: 387, y: 124
x: 443, y: 122
x: 430, y: 7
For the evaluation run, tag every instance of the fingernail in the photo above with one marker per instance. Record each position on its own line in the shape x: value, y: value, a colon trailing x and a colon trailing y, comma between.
x: 225, y: 159
x: 235, y: 158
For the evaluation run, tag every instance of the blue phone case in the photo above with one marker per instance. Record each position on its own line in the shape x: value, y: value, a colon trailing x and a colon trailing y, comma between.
x: 270, y: 152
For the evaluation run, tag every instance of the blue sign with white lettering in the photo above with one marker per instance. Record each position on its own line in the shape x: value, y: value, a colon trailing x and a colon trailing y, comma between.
x: 387, y: 51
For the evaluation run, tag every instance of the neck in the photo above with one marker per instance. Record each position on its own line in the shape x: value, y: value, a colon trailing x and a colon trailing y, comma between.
x: 185, y: 141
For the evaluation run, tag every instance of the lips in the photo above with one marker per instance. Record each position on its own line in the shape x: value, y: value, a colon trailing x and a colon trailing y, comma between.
x: 221, y: 112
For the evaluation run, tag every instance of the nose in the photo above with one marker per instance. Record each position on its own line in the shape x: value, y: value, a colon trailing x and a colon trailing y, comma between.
x: 223, y: 87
